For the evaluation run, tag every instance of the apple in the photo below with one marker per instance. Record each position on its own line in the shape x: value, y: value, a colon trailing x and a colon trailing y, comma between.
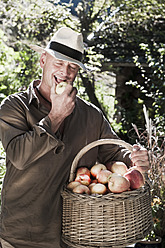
x: 135, y: 177
x: 96, y: 169
x: 91, y: 185
x: 103, y: 176
x: 72, y: 185
x: 98, y: 188
x: 83, y: 179
x: 83, y: 170
x: 60, y: 88
x: 118, y: 183
x: 118, y: 167
x: 81, y: 189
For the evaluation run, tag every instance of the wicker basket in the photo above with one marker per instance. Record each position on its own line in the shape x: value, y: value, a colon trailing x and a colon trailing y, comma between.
x: 111, y: 220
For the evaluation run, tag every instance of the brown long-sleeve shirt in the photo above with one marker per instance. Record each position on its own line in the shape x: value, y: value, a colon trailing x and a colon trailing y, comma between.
x: 38, y: 165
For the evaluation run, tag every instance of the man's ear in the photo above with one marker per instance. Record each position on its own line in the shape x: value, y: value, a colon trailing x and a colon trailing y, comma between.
x: 42, y: 59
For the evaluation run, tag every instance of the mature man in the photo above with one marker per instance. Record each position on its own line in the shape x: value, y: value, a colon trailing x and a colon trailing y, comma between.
x: 42, y: 132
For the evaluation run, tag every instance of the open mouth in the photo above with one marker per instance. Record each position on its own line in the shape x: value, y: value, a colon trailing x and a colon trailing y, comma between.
x: 58, y: 80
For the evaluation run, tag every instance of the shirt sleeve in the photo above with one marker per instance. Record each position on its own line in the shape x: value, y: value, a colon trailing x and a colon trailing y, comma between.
x: 112, y: 152
x: 24, y: 146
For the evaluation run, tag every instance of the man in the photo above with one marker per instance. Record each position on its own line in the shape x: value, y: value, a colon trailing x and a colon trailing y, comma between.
x: 42, y: 132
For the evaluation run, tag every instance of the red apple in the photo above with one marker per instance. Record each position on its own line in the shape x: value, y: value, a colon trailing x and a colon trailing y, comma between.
x: 118, y: 183
x: 103, y: 176
x: 81, y: 189
x: 117, y: 167
x: 135, y: 177
x: 83, y: 170
x: 96, y: 169
x: 83, y: 179
x: 72, y: 185
x: 98, y: 188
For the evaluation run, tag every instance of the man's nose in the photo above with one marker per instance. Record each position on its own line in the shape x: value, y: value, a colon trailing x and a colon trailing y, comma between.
x: 64, y: 70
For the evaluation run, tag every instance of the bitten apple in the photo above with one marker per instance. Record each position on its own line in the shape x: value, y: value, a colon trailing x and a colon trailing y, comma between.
x: 72, y: 185
x: 103, y: 176
x: 81, y: 189
x: 118, y: 183
x: 135, y: 177
x: 60, y: 88
x: 117, y: 167
x: 83, y: 179
x: 96, y: 169
x: 98, y: 188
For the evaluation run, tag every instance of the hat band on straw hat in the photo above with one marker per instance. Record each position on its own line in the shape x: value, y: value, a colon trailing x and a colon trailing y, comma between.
x: 70, y: 52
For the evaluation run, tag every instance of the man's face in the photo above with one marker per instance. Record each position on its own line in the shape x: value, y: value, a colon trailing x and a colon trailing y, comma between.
x: 56, y: 71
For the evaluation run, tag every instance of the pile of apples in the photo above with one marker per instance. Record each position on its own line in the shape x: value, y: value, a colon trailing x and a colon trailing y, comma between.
x: 101, y: 179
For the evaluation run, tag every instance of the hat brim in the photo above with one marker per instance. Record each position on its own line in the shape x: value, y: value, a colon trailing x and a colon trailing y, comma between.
x: 57, y: 55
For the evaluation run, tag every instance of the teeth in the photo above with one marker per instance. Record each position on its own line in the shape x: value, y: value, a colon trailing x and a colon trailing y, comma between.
x: 58, y: 80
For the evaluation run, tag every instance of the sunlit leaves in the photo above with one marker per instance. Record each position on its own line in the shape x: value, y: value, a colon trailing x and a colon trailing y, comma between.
x: 31, y: 19
x: 16, y: 67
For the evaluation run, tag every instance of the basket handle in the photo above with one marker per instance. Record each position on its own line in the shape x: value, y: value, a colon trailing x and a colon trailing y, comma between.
x: 92, y: 145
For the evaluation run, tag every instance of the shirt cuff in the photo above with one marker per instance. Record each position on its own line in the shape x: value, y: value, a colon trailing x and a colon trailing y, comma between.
x: 44, y: 127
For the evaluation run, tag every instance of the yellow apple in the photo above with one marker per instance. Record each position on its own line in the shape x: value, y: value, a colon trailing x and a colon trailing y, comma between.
x: 117, y: 167
x: 98, y: 188
x: 72, y: 185
x: 60, y: 88
x: 81, y: 189
x: 103, y: 176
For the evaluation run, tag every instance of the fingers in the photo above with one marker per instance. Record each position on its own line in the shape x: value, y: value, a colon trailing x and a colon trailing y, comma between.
x: 70, y: 90
x: 139, y: 152
x: 63, y: 103
x: 136, y: 147
x: 139, y: 157
x: 142, y: 169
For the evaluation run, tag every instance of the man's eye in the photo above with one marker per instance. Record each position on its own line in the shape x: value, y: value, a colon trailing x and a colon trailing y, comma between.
x: 73, y: 68
x: 58, y: 63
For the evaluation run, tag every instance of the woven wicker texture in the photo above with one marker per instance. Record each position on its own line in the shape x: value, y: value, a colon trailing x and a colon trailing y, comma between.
x: 111, y: 220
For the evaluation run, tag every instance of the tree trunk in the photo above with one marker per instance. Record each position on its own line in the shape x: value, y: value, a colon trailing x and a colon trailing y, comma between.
x: 91, y: 93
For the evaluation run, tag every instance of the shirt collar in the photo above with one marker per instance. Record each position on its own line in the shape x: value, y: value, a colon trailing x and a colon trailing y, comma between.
x: 31, y: 92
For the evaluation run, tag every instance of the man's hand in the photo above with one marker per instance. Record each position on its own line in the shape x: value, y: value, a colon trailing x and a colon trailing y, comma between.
x: 62, y: 105
x: 139, y: 158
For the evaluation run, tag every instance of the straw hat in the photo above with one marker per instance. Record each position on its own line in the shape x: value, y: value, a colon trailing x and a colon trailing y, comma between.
x: 66, y: 44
